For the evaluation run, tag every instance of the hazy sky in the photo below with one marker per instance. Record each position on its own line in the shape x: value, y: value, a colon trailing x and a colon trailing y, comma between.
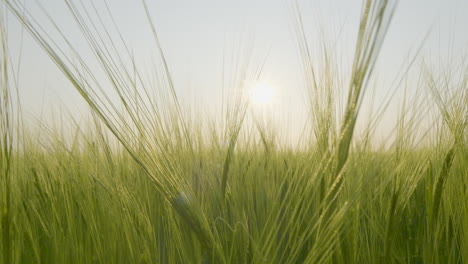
x: 195, y: 34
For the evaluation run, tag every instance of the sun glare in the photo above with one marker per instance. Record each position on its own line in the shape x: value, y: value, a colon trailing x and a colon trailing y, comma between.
x: 261, y: 94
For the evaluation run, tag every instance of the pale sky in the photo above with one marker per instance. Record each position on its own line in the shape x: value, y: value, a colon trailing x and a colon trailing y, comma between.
x: 195, y: 34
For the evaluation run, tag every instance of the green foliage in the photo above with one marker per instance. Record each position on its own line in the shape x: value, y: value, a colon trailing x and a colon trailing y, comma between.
x: 143, y: 183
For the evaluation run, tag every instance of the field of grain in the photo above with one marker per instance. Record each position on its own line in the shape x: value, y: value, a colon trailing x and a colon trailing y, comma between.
x: 141, y: 182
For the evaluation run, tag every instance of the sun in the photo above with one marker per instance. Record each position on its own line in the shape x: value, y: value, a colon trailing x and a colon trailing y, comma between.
x: 261, y: 93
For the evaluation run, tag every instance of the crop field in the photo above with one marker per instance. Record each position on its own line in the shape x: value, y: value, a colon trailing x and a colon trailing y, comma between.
x: 145, y: 181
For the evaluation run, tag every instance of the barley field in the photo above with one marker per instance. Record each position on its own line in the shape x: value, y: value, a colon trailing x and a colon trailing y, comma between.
x: 143, y: 181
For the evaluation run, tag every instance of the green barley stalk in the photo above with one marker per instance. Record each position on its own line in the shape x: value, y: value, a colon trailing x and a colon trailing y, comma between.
x: 375, y: 19
x: 439, y: 185
x: 6, y: 145
x: 451, y: 97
